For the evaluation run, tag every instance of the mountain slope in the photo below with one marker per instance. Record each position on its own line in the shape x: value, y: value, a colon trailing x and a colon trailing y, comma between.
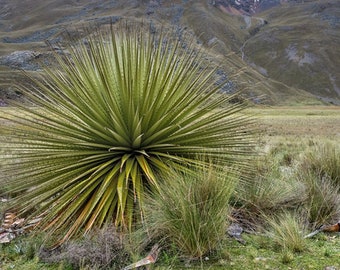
x: 300, y: 47
x: 236, y: 43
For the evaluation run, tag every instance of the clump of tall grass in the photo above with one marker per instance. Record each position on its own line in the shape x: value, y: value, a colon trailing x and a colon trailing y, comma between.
x: 287, y: 231
x: 324, y: 160
x: 191, y: 210
x: 319, y: 170
x: 270, y: 194
x: 323, y: 199
x: 284, y: 180
x: 272, y: 189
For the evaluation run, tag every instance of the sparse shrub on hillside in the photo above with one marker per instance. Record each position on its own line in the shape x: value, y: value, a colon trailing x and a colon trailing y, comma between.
x: 191, y: 211
x: 122, y: 107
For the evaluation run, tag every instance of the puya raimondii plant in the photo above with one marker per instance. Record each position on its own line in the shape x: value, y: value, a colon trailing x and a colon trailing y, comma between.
x: 116, y: 110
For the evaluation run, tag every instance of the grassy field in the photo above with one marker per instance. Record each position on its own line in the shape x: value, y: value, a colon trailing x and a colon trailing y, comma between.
x: 292, y: 130
x: 304, y: 122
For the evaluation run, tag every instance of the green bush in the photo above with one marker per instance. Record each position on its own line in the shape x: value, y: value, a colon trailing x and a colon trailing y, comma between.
x: 121, y: 107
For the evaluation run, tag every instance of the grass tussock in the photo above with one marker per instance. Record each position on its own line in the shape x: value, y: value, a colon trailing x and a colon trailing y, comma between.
x: 323, y: 160
x: 299, y: 175
x: 191, y: 210
x: 319, y: 171
x: 287, y: 231
x: 323, y: 199
x: 272, y: 189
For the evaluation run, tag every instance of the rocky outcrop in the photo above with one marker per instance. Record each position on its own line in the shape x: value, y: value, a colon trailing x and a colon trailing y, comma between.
x: 248, y: 7
x: 26, y: 60
x: 241, y: 7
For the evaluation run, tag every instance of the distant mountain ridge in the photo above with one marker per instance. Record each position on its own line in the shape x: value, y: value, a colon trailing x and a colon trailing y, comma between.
x: 249, y: 7
x: 276, y: 51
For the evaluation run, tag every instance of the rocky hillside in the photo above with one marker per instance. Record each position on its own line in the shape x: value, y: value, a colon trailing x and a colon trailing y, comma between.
x: 275, y: 51
x: 251, y: 7
x: 300, y: 47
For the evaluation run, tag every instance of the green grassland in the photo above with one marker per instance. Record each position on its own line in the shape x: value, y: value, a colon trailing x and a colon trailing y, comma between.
x: 300, y: 122
x: 285, y: 131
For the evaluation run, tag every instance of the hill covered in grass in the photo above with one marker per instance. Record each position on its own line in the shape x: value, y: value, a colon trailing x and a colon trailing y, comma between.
x: 300, y: 47
x: 275, y: 53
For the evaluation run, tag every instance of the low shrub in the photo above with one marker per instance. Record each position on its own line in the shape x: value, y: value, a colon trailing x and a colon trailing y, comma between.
x: 102, y: 249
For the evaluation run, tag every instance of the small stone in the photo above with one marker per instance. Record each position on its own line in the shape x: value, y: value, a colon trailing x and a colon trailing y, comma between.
x: 330, y: 268
x: 258, y: 259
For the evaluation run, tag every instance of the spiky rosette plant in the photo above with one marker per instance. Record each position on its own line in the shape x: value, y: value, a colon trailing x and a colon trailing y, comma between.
x: 119, y: 109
